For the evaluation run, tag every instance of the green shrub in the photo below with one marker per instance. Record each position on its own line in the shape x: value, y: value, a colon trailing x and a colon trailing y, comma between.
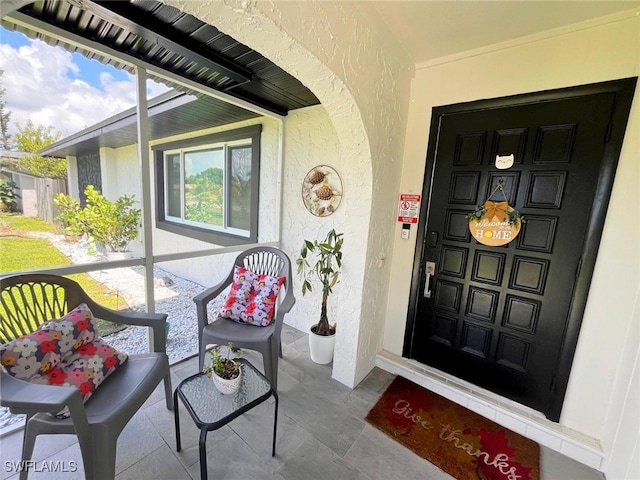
x: 8, y: 196
x: 112, y: 224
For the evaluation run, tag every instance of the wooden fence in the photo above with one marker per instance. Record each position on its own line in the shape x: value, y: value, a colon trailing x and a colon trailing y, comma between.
x: 46, y: 190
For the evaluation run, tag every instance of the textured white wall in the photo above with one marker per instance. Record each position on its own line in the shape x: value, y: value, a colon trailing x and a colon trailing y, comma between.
x: 311, y: 140
x: 121, y: 175
x: 598, y: 51
x: 362, y: 83
x: 72, y: 176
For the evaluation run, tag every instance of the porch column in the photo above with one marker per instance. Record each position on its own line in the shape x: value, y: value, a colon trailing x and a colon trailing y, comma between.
x: 143, y: 156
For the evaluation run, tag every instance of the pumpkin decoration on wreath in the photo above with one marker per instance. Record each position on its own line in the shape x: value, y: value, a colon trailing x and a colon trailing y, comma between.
x: 495, y: 223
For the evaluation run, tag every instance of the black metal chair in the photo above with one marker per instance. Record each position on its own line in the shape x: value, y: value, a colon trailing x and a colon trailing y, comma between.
x: 26, y: 302
x: 266, y: 340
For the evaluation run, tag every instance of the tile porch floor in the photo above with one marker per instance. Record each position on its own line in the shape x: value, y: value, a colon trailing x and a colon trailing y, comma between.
x: 321, y: 435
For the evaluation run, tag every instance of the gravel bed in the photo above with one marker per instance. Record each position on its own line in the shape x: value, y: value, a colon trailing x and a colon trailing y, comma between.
x: 173, y: 296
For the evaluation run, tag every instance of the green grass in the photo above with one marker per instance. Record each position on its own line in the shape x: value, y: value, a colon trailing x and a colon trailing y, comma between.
x: 19, y: 252
x: 20, y: 222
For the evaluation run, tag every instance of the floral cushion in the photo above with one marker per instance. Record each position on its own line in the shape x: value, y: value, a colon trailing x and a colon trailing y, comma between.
x: 240, y: 294
x: 66, y: 352
x: 85, y: 369
x: 260, y: 309
x: 33, y: 354
x: 256, y: 305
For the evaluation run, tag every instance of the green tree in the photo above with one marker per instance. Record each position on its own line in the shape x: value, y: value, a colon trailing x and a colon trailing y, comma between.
x: 5, y: 137
x: 32, y: 139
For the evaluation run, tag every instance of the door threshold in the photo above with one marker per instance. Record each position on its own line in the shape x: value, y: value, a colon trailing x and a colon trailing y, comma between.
x: 512, y: 415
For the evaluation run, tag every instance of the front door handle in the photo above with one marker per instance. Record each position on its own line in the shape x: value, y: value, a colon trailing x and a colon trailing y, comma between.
x: 429, y: 272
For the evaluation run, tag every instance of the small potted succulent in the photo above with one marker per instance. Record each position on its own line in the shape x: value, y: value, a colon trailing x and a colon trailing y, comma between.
x: 225, y: 372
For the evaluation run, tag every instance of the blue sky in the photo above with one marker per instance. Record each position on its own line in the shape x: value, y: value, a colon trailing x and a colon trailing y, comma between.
x: 53, y: 87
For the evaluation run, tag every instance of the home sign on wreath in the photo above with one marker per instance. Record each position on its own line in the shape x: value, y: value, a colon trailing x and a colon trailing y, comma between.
x: 495, y: 223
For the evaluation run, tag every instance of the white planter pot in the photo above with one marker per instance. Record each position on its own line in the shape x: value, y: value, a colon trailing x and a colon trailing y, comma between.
x: 114, y: 256
x: 321, y: 347
x: 225, y: 386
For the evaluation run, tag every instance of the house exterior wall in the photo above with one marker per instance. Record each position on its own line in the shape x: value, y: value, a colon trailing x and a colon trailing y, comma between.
x: 209, y: 270
x: 359, y: 78
x: 362, y: 87
x: 72, y: 176
x: 606, y: 358
x: 362, y: 81
x: 311, y: 140
x: 121, y: 175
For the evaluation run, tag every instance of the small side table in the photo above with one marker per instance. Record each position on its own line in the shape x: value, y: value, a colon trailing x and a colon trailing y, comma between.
x: 211, y: 410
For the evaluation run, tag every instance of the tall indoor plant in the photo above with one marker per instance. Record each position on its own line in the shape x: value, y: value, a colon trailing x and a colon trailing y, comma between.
x: 111, y: 224
x: 321, y: 260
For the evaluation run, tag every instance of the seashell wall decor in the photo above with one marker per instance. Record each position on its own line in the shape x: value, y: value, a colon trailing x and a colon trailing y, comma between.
x: 322, y: 190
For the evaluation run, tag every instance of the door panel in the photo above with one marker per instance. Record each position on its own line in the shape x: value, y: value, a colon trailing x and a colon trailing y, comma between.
x: 497, y: 316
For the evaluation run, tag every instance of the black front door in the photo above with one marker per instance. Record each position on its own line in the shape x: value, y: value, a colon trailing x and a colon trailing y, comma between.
x: 506, y: 318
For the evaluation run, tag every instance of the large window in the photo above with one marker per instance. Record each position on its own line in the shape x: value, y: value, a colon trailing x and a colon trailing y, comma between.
x: 208, y: 186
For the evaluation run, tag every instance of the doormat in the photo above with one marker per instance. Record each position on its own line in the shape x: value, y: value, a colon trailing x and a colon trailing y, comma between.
x: 455, y: 439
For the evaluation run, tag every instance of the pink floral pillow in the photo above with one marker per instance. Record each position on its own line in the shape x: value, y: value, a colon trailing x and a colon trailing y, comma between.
x: 252, y: 298
x: 33, y: 354
x: 240, y: 294
x: 66, y: 352
x: 85, y: 369
x: 260, y: 309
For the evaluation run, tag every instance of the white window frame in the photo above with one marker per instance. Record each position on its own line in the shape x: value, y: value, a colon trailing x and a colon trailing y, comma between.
x: 226, y: 185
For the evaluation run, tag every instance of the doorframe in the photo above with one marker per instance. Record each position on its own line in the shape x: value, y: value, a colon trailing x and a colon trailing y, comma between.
x: 623, y: 90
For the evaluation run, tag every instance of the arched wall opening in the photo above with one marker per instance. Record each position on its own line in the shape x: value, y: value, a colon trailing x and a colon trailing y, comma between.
x: 363, y: 88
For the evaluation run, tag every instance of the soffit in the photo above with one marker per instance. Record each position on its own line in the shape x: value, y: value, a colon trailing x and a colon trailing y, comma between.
x: 171, y: 113
x: 174, y: 41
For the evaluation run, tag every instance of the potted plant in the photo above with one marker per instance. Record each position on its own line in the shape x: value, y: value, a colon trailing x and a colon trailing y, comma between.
x: 321, y: 261
x: 111, y: 224
x: 225, y: 372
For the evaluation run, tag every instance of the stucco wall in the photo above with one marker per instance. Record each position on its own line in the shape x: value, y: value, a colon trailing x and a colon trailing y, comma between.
x: 311, y: 140
x: 376, y: 75
x: 597, y: 51
x: 121, y: 175
x: 362, y: 83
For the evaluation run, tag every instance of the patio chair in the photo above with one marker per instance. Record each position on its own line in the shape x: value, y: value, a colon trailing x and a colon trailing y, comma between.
x: 26, y: 302
x: 266, y: 340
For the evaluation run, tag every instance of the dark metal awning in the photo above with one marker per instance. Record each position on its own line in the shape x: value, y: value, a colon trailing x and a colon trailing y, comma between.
x: 173, y: 41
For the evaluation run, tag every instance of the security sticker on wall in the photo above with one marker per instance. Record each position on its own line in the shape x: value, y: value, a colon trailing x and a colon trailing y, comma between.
x: 504, y: 161
x: 409, y: 208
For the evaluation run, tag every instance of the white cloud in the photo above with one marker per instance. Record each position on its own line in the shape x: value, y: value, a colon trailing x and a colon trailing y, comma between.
x: 44, y: 85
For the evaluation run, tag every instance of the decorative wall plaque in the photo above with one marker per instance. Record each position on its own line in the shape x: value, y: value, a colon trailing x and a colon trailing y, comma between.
x: 322, y: 190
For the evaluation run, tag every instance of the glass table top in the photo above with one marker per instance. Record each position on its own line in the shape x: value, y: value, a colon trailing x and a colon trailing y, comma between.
x: 211, y: 406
